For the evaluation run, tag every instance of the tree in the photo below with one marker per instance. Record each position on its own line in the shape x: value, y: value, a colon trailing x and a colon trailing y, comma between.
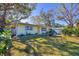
x: 44, y: 18
x: 69, y: 13
x: 37, y: 20
x: 14, y: 11
x: 8, y: 13
x: 47, y: 17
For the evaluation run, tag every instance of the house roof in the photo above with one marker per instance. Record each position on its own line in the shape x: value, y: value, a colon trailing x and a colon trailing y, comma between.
x: 20, y: 23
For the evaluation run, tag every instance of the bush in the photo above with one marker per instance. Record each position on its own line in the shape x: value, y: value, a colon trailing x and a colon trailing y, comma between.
x: 71, y: 30
x: 5, y: 43
x: 6, y: 33
x: 67, y: 31
x: 76, y: 31
x: 21, y: 35
x: 51, y: 32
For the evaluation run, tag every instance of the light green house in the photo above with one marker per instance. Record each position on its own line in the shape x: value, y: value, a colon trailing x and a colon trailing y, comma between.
x: 24, y: 28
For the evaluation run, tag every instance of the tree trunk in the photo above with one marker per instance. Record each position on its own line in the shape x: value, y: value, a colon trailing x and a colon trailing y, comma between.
x: 71, y: 25
x: 3, y: 19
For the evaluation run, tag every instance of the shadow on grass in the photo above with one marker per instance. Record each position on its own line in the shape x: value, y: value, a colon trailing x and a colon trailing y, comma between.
x: 71, y: 47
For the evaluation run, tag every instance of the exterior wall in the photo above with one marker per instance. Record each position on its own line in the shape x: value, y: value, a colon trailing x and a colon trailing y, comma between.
x: 58, y: 30
x: 20, y: 30
x: 39, y: 30
x: 42, y: 32
x: 13, y: 31
x: 35, y: 29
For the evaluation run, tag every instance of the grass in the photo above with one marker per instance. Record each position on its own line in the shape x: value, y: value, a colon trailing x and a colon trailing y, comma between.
x: 45, y: 46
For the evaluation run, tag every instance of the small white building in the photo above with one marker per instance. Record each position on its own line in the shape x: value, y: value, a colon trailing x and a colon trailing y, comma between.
x: 58, y: 30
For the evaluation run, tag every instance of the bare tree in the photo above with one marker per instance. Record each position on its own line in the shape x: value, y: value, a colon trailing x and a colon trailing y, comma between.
x: 37, y: 20
x: 69, y: 13
x: 44, y: 18
x: 47, y: 17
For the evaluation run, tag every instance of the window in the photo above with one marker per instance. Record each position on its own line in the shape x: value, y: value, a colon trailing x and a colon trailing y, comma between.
x: 28, y: 28
x: 43, y: 29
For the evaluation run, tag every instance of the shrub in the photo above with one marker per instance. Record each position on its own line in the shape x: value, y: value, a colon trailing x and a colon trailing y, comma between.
x: 21, y: 35
x: 6, y: 41
x: 51, y: 32
x: 67, y: 31
x: 76, y: 31
x: 71, y: 30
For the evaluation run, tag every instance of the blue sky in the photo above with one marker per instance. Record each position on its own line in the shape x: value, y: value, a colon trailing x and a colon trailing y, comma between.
x: 45, y: 7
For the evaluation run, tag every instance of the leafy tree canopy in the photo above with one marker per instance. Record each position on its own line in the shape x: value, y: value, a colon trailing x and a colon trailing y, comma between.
x: 14, y: 11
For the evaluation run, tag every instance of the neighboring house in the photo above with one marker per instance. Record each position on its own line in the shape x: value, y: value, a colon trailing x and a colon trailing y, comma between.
x: 58, y: 30
x: 24, y: 29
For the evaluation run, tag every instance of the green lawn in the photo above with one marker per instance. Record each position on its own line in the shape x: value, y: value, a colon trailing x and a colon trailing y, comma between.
x: 45, y: 46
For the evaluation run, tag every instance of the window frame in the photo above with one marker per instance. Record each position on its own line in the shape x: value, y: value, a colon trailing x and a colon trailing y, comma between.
x: 43, y: 29
x: 28, y: 27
